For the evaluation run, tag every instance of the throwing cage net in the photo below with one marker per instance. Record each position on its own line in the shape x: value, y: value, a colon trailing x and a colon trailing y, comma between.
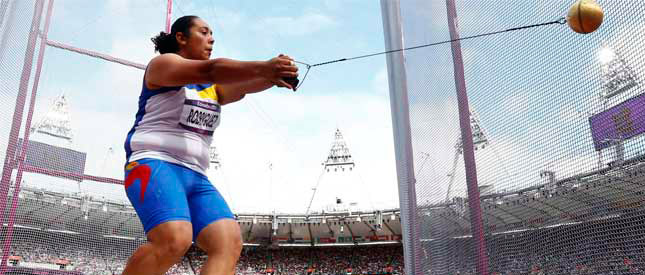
x: 50, y: 222
x: 63, y: 205
x: 520, y: 152
x: 543, y: 173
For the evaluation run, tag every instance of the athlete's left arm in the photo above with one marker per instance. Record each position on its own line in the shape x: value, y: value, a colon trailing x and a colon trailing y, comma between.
x: 234, y: 92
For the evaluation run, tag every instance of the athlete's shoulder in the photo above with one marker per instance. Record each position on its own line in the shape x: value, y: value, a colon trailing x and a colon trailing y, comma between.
x: 164, y: 59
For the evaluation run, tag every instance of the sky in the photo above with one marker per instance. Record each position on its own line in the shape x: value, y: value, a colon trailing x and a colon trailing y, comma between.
x: 532, y: 90
x: 271, y: 144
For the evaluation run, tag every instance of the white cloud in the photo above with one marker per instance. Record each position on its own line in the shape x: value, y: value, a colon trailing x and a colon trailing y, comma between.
x: 294, y: 131
x: 532, y: 128
x: 259, y: 131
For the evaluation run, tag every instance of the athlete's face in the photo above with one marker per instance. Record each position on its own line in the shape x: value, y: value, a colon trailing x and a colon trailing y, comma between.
x: 199, y: 44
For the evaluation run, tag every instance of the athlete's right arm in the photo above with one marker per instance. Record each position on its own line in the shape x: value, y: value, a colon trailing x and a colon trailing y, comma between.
x: 170, y: 69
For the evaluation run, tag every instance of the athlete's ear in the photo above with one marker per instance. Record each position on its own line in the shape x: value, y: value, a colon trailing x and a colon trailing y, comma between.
x: 181, y: 38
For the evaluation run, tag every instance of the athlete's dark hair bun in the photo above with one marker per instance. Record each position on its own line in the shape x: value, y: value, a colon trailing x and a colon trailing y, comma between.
x: 167, y: 42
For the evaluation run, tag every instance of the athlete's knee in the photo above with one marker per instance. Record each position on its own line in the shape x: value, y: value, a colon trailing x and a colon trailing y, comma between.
x: 173, y: 240
x: 175, y: 246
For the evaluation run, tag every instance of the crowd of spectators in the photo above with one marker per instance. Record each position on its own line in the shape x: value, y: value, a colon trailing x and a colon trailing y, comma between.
x: 614, y: 246
x: 507, y: 254
x: 111, y: 258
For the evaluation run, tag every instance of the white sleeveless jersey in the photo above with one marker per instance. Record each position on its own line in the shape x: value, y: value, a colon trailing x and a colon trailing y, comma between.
x: 175, y: 124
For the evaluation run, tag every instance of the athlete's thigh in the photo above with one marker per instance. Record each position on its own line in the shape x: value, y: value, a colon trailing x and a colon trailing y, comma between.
x: 206, y: 204
x: 221, y: 237
x: 156, y: 191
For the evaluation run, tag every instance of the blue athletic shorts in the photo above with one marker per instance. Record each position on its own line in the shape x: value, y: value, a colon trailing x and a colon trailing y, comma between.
x: 161, y: 191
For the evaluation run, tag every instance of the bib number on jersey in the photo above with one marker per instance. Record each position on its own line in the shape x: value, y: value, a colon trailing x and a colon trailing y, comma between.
x: 200, y: 116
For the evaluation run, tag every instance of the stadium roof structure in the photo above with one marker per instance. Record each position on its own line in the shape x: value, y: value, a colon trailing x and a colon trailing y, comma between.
x: 602, y: 194
x: 582, y: 198
x: 40, y: 209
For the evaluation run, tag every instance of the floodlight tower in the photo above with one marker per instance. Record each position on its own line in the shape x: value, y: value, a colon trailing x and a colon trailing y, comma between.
x: 339, y: 156
x: 480, y: 141
x: 56, y: 124
x: 617, y: 78
x: 339, y: 160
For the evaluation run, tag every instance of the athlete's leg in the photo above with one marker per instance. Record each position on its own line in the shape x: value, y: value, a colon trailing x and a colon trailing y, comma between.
x: 215, y: 229
x: 167, y: 244
x: 156, y: 190
x: 222, y: 242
